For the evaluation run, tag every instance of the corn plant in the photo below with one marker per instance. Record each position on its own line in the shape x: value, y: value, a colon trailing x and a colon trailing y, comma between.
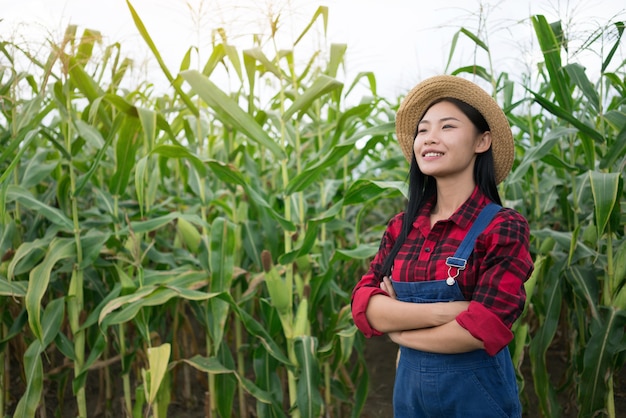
x: 124, y: 214
x: 148, y: 238
x: 585, y: 166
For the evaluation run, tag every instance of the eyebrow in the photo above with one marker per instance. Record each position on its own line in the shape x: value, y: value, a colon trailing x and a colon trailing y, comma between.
x: 440, y: 120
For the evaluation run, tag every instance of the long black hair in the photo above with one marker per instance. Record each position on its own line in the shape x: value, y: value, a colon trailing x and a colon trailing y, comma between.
x: 423, y: 187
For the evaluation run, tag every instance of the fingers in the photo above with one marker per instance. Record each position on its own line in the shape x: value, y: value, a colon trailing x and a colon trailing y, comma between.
x: 396, y: 337
x: 387, y: 286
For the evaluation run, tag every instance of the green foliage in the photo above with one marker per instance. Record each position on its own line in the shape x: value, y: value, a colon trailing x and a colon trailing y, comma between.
x: 574, y: 166
x: 132, y: 224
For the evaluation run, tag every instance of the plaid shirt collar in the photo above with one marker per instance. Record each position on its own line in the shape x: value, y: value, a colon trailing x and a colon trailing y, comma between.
x: 464, y: 216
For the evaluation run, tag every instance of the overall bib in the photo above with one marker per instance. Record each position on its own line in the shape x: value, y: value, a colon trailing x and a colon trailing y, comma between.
x: 466, y: 385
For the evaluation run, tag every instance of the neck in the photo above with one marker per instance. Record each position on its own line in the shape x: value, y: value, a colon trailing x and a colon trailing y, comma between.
x: 450, y: 196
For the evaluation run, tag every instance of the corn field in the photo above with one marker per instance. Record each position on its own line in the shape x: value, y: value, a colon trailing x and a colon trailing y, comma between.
x: 206, y: 241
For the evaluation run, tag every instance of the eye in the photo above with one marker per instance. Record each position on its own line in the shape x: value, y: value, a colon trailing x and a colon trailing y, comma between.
x: 447, y: 126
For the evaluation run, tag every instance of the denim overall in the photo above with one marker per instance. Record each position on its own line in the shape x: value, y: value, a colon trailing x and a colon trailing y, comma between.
x: 466, y: 385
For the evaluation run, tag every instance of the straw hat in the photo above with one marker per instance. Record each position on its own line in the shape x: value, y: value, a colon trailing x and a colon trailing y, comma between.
x: 417, y: 101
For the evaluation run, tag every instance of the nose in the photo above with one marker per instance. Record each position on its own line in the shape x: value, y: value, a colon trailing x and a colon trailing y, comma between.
x: 428, y: 138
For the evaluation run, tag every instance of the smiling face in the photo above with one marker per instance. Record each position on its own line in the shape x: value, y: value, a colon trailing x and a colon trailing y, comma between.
x: 447, y: 143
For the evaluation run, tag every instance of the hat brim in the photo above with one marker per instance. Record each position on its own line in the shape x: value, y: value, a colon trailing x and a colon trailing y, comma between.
x: 420, y: 98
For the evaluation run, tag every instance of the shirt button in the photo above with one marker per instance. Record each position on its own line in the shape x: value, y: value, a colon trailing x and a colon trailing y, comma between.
x: 427, y: 249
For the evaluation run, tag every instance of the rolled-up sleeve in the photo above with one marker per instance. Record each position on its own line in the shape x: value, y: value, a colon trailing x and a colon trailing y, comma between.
x: 499, y: 296
x: 360, y: 300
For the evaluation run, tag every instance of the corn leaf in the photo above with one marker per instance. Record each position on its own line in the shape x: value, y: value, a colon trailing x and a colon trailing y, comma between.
x: 360, y: 395
x: 148, y: 119
x: 584, y: 282
x: 620, y: 32
x: 221, y: 263
x: 151, y: 45
x: 95, y: 164
x: 158, y: 360
x: 33, y: 374
x: 25, y: 197
x: 97, y: 348
x: 475, y: 70
x: 221, y: 254
x: 85, y: 83
x: 262, y: 203
x: 229, y: 112
x: 86, y: 44
x: 551, y: 49
x: 126, y: 147
x: 551, y: 299
x: 13, y: 288
x: 539, y: 151
x: 213, y: 366
x: 604, y: 187
x: 21, y: 142
x: 267, y: 65
x: 369, y: 76
x: 152, y: 224
x: 60, y: 248
x: 365, y: 190
x: 312, y: 173
x: 178, y: 151
x: 36, y: 171
x: 267, y: 379
x: 260, y: 333
x: 616, y: 150
x: 361, y: 251
x: 124, y: 308
x: 606, y: 342
x: 564, y: 241
x: 578, y: 76
x: 570, y: 117
x: 305, y: 248
x: 33, y: 366
x: 321, y: 11
x: 128, y: 109
x: 217, y: 55
x: 337, y: 57
x: 321, y: 86
x: 27, y: 256
x: 309, y: 399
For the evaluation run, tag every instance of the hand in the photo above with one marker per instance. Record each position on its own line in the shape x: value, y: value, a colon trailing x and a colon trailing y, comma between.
x: 395, y: 336
x: 387, y: 286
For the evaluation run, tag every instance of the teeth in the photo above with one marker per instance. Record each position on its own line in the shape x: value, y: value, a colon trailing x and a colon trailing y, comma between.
x: 433, y: 154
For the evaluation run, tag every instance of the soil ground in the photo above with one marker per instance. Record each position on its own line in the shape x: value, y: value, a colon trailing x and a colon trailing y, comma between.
x: 380, y: 354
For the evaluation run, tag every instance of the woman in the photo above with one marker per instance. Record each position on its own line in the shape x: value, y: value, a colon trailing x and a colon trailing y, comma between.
x: 453, y: 360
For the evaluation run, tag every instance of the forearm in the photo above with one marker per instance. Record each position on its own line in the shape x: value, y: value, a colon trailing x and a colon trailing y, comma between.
x: 450, y: 338
x: 387, y: 314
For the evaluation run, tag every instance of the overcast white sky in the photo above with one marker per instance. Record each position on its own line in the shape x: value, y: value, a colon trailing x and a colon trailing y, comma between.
x: 401, y: 41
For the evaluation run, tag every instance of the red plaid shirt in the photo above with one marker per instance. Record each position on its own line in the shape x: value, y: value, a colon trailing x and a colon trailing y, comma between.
x: 493, y: 280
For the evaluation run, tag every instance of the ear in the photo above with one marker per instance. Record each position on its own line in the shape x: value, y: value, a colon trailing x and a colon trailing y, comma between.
x: 483, y: 143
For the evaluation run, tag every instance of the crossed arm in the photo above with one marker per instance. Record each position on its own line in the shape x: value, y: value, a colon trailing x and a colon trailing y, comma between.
x: 427, y: 327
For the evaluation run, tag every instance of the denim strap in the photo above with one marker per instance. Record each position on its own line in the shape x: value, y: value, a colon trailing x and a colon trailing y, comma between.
x: 459, y: 260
